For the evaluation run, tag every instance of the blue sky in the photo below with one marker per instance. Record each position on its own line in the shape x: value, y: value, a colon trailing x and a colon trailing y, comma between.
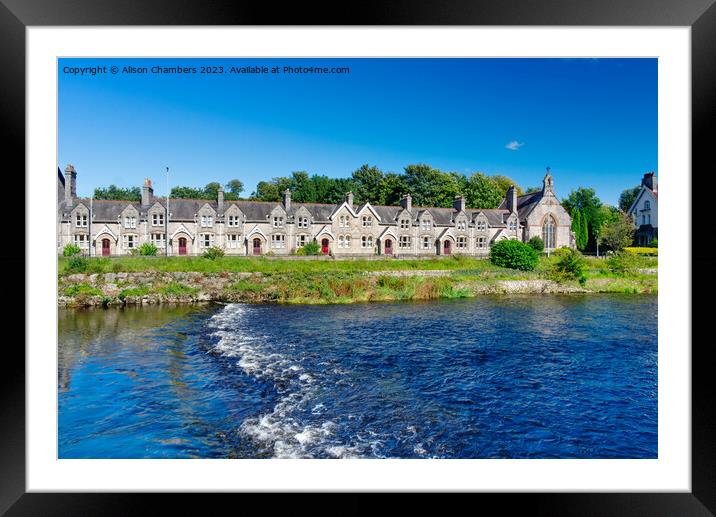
x: 593, y: 121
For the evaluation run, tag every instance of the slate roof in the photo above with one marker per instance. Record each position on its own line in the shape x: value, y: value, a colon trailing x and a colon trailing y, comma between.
x: 260, y: 211
x: 525, y: 204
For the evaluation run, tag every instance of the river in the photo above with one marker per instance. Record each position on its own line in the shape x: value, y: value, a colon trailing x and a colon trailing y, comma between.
x: 489, y: 377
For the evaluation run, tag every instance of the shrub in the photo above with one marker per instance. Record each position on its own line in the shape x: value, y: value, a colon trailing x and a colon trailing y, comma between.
x: 312, y: 248
x: 148, y: 249
x: 213, y: 253
x: 643, y: 251
x: 536, y: 243
x: 623, y: 262
x: 82, y: 289
x: 514, y: 254
x: 654, y: 243
x: 77, y: 264
x: 70, y: 250
x: 618, y: 233
x: 569, y: 266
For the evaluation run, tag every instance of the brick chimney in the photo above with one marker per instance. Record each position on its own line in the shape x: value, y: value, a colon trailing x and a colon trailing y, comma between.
x: 70, y: 184
x: 220, y: 200
x: 649, y: 181
x: 407, y: 202
x: 511, y: 199
x: 287, y: 200
x: 147, y: 192
x: 459, y: 203
x: 349, y: 199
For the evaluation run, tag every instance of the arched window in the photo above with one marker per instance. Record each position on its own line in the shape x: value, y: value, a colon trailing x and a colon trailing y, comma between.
x: 548, y: 232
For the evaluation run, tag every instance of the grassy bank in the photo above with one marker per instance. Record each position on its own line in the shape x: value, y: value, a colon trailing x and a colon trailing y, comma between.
x: 136, y: 280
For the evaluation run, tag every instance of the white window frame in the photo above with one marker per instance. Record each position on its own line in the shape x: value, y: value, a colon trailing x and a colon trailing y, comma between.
x: 130, y: 221
x: 343, y: 221
x: 481, y: 226
x: 481, y: 243
x: 367, y: 221
x: 81, y: 240
x: 278, y: 221
x: 404, y: 242
x: 404, y: 224
x: 512, y: 225
x: 462, y: 225
x: 301, y: 240
x: 302, y: 222
x: 426, y: 242
x: 157, y: 219
x: 81, y: 220
x: 129, y: 242
x: 232, y: 220
x: 278, y: 241
x: 157, y: 239
x: 206, y: 240
x: 461, y: 242
x: 232, y: 240
x: 366, y: 241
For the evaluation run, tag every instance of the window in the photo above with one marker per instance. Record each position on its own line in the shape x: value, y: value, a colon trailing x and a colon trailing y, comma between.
x: 425, y: 224
x: 278, y: 240
x: 405, y: 224
x: 647, y: 205
x: 512, y: 225
x: 206, y: 240
x: 207, y: 221
x: 130, y: 221
x: 157, y: 219
x: 462, y: 242
x: 233, y: 240
x: 158, y: 239
x: 481, y: 226
x: 232, y: 220
x: 303, y: 222
x: 481, y: 243
x: 81, y: 240
x: 426, y: 243
x: 367, y: 221
x: 129, y: 241
x: 344, y: 241
x: 278, y: 222
x: 404, y: 242
x: 81, y: 220
x: 462, y: 225
x: 366, y: 241
x: 343, y: 221
x: 548, y: 229
x: 301, y: 240
x: 648, y: 218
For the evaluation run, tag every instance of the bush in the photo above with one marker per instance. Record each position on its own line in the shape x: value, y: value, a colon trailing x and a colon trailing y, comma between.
x: 654, y: 243
x: 569, y: 266
x: 70, y: 250
x: 77, y: 264
x: 514, y: 254
x: 312, y: 248
x: 643, y: 251
x: 213, y: 253
x: 623, y: 263
x: 537, y: 244
x: 148, y: 249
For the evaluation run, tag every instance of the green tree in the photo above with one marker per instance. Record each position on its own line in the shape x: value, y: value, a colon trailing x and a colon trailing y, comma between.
x: 482, y: 192
x: 236, y: 187
x: 431, y: 187
x: 211, y: 191
x: 187, y: 193
x: 114, y: 192
x: 367, y: 180
x: 530, y: 190
x: 627, y: 197
x: 587, y: 202
x: 504, y: 182
x: 618, y: 233
x: 577, y: 227
x: 391, y: 188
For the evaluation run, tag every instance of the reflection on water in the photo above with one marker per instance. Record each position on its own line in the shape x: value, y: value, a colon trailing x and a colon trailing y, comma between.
x: 493, y: 377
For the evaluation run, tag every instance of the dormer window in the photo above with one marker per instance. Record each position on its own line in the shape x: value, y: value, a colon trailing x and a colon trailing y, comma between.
x: 130, y: 221
x: 647, y: 205
x: 207, y: 221
x: 462, y: 225
x: 425, y: 224
x: 157, y: 219
x: 405, y: 224
x: 481, y: 226
x: 81, y: 220
x: 367, y: 221
x: 512, y: 225
x: 278, y: 222
x: 302, y: 222
x: 343, y: 221
x: 232, y: 220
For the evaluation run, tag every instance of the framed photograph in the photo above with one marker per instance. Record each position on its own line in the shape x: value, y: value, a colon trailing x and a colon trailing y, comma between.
x: 414, y: 254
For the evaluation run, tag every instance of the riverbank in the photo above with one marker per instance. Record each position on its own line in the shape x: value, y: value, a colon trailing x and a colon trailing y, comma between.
x: 131, y: 281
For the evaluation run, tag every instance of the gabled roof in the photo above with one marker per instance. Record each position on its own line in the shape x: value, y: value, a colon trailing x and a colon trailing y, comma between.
x: 525, y: 204
x: 643, y: 190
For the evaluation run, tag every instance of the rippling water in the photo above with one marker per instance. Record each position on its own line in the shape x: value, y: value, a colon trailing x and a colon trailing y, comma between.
x: 491, y: 377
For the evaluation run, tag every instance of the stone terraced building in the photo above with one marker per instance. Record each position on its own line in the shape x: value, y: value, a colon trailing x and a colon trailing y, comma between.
x: 190, y: 226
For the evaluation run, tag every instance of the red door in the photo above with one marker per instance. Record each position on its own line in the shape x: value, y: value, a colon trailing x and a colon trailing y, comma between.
x: 388, y: 247
x: 324, y: 246
x: 257, y: 246
x: 105, y: 247
x: 182, y: 246
x: 446, y: 248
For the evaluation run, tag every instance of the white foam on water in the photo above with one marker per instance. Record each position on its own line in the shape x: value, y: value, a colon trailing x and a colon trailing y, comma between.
x: 278, y: 432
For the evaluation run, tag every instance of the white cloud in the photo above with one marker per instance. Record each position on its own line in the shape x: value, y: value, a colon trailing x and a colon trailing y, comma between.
x: 514, y: 145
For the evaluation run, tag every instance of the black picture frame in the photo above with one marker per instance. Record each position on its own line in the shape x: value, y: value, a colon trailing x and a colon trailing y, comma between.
x: 700, y: 15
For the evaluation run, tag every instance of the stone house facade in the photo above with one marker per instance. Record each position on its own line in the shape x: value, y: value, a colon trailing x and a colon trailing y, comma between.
x: 190, y: 226
x: 645, y: 211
